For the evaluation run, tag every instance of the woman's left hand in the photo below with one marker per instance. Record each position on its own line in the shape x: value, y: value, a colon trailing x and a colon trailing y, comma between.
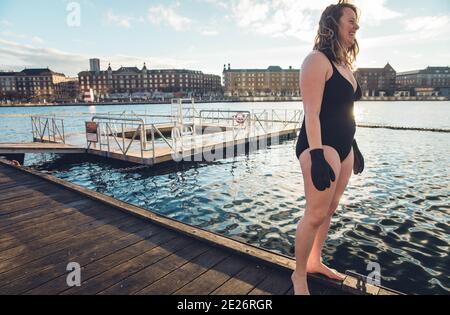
x: 358, y: 164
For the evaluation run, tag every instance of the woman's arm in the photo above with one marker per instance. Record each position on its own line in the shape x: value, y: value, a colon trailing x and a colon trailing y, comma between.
x: 312, y: 85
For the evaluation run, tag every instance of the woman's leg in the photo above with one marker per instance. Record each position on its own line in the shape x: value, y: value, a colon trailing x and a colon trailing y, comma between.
x: 316, y: 212
x: 315, y: 264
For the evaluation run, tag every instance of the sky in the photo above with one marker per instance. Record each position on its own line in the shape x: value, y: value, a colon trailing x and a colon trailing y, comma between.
x: 206, y: 34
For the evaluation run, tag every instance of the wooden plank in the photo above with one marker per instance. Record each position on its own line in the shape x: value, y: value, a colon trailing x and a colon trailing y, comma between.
x: 49, y: 220
x: 99, y: 228
x: 354, y: 286
x: 16, y: 196
x: 11, y: 180
x: 39, y: 147
x: 32, y: 274
x: 277, y: 283
x: 13, y: 200
x: 386, y: 292
x: 15, y: 186
x: 77, y: 221
x: 68, y: 223
x: 244, y: 281
x: 52, y: 238
x: 157, y: 270
x: 163, y: 239
x: 53, y: 267
x: 215, y: 277
x: 122, y: 250
x: 32, y: 213
x: 19, y: 205
x: 185, y: 274
x: 64, y: 230
x: 116, y: 274
x: 22, y: 260
x: 39, y: 214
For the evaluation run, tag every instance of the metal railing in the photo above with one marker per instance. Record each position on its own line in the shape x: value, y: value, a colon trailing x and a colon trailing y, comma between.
x: 114, y: 133
x: 48, y: 129
x: 124, y: 133
x: 153, y: 129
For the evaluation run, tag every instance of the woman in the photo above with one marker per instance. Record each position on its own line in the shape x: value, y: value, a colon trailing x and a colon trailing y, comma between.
x: 326, y: 148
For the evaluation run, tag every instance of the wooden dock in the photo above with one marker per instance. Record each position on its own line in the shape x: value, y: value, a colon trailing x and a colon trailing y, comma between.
x: 47, y: 223
x: 206, y: 143
x: 37, y: 147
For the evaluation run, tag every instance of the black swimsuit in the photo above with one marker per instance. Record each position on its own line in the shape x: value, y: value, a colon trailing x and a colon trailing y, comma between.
x: 337, y: 120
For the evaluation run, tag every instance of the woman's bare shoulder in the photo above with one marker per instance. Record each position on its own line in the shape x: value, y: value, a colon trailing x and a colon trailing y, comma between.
x: 316, y: 59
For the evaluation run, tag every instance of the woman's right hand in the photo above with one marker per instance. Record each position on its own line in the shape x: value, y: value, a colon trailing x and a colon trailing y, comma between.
x: 321, y: 172
x: 358, y: 164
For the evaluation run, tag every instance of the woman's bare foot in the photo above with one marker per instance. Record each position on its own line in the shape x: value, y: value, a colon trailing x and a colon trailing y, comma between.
x: 300, y: 285
x: 326, y: 271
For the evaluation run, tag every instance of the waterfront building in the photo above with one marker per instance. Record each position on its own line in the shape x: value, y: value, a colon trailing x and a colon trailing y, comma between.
x: 8, y: 86
x: 31, y: 85
x: 431, y: 81
x: 273, y: 81
x: 377, y: 81
x: 134, y: 82
x: 37, y: 85
x: 67, y: 90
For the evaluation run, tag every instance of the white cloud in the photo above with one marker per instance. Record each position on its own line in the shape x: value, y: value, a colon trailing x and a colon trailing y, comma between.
x: 6, y: 23
x: 13, y: 34
x: 247, y: 12
x: 119, y: 20
x: 160, y: 14
x: 220, y: 3
x: 373, y: 12
x: 16, y: 56
x: 209, y: 33
x: 34, y: 39
x: 427, y: 23
x: 417, y: 31
x: 294, y: 18
x: 37, y: 40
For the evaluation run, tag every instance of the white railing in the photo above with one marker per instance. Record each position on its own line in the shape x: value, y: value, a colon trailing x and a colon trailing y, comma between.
x: 114, y: 134
x: 47, y: 129
x: 129, y: 134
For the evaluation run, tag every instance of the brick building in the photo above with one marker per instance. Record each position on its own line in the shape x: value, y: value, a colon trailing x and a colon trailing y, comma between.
x: 273, y: 81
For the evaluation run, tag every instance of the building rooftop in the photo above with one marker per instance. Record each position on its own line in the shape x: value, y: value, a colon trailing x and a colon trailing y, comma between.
x: 137, y: 71
x: 269, y: 69
x: 39, y: 72
x: 414, y: 72
x: 7, y: 73
x: 129, y: 69
x: 428, y: 70
x: 386, y: 67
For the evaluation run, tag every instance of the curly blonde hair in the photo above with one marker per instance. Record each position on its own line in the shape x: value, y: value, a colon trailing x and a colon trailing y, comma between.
x: 327, y: 39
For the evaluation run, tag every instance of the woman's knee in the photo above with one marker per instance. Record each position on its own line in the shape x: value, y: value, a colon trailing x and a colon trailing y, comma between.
x: 316, y: 217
